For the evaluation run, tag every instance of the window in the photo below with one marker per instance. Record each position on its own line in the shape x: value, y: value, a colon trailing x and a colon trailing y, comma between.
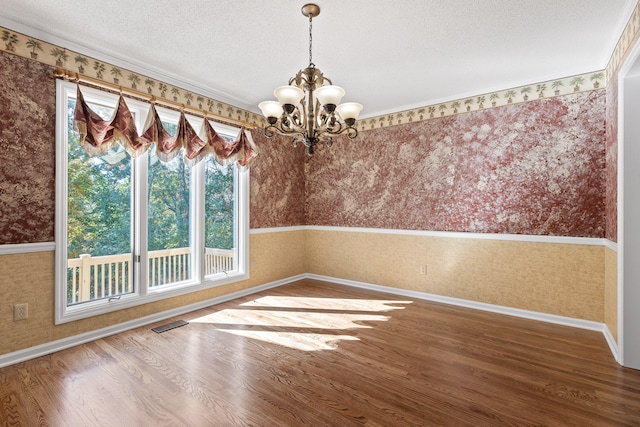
x: 134, y: 230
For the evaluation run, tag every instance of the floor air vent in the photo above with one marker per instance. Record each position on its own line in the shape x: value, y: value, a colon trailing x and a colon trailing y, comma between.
x: 169, y: 326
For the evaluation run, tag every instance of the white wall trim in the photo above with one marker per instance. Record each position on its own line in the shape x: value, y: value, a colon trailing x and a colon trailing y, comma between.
x: 52, y: 347
x: 277, y: 229
x: 592, y: 241
x: 533, y: 315
x: 467, y: 235
x: 611, y: 245
x: 628, y: 207
x: 624, y: 69
x: 23, y: 248
x: 613, y: 346
x: 526, y: 314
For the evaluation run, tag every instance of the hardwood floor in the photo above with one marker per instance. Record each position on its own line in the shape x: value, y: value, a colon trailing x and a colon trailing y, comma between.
x: 319, y: 354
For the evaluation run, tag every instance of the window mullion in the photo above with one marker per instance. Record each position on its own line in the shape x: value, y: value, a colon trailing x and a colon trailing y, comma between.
x: 197, y: 221
x: 140, y: 232
x: 241, y: 219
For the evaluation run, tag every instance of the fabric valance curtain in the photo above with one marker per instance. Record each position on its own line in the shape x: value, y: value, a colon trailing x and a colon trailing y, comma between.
x: 98, y: 136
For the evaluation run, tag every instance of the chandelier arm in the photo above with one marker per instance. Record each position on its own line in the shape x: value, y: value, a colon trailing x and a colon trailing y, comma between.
x: 293, y: 81
x: 277, y: 128
x: 323, y: 125
x: 302, y: 123
x: 329, y: 122
x: 301, y: 116
x: 351, y: 131
x: 297, y: 119
x: 268, y: 132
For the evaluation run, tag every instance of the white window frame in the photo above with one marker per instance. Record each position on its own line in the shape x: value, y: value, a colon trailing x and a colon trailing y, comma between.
x: 142, y: 294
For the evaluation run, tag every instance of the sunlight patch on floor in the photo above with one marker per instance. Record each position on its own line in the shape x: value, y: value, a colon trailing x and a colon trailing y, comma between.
x: 350, y: 304
x: 306, y: 324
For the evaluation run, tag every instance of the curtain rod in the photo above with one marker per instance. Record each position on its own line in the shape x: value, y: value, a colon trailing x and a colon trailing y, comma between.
x: 71, y: 76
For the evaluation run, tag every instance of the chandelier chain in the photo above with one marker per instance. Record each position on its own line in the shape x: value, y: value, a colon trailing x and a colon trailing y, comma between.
x: 310, y: 41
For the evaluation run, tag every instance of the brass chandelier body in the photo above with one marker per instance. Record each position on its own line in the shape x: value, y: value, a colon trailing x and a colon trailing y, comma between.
x: 307, y: 109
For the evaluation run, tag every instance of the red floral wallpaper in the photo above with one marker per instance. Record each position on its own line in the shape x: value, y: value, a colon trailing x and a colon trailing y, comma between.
x: 612, y: 161
x: 277, y: 183
x: 27, y: 151
x: 531, y: 168
x: 539, y: 167
x: 27, y: 161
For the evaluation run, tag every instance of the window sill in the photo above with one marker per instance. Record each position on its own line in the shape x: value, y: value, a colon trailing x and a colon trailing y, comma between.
x: 104, y: 306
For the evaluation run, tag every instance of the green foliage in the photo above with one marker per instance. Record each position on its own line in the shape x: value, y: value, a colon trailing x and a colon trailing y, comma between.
x: 168, y: 215
x: 219, y: 205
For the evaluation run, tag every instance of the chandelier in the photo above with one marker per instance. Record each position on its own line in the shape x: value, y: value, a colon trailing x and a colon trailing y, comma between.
x: 308, y: 108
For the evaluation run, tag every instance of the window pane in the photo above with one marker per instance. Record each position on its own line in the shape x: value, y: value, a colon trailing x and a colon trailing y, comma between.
x: 99, y: 251
x: 169, y: 221
x: 220, y: 209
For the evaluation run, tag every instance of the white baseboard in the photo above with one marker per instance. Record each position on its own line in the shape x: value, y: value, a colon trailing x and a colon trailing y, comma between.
x: 52, y: 347
x: 543, y: 317
x: 613, y: 345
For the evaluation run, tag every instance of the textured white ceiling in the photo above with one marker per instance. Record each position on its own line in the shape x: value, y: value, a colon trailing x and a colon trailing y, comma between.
x: 389, y: 55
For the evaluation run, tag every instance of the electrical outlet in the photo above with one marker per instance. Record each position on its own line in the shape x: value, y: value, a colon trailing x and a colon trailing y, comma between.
x: 20, y: 311
x: 423, y: 269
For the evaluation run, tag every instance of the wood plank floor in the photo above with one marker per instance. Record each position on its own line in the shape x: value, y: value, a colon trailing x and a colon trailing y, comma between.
x: 319, y: 354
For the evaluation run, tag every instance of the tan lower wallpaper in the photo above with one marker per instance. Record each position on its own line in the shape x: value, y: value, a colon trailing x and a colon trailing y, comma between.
x: 560, y: 279
x: 274, y: 256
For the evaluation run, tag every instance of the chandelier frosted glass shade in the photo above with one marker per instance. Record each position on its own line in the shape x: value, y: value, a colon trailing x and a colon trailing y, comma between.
x: 349, y: 111
x: 288, y: 95
x: 308, y: 108
x: 271, y: 109
x: 329, y: 96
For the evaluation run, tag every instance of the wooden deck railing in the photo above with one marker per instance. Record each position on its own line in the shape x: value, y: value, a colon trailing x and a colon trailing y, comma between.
x: 218, y: 261
x: 91, y: 278
x: 169, y: 265
x: 98, y: 277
